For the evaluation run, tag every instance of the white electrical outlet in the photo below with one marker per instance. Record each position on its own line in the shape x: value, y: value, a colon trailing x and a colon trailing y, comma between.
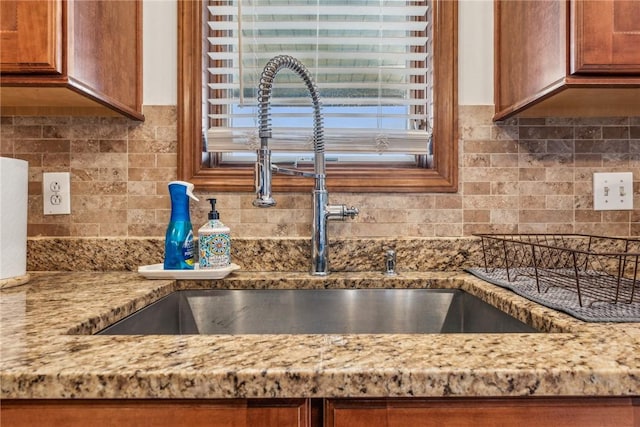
x: 612, y: 191
x: 56, y: 193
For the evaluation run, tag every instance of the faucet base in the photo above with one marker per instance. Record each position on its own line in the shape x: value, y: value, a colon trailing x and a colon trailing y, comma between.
x: 319, y: 273
x: 264, y: 202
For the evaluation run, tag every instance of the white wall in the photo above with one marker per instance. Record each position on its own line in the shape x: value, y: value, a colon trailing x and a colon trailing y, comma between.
x: 160, y: 52
x: 475, y: 63
x: 475, y: 52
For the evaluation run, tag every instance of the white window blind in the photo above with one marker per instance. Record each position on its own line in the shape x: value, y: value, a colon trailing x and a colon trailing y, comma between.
x: 369, y: 58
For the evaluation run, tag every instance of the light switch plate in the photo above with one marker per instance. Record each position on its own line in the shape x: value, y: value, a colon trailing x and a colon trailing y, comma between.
x: 56, y: 193
x: 612, y: 191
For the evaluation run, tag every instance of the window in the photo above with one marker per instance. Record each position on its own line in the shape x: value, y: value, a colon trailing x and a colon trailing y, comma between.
x: 369, y: 59
x: 232, y: 89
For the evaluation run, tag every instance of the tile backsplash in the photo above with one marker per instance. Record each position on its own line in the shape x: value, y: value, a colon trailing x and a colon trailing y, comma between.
x: 521, y: 175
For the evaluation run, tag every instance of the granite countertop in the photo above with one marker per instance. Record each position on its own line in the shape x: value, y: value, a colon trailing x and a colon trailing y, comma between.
x: 47, y: 350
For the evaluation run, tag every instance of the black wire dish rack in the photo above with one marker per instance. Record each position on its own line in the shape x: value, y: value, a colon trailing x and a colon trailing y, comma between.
x: 596, y: 268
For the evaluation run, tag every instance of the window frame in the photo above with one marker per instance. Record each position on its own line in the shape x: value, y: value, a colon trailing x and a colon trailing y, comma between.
x: 442, y: 178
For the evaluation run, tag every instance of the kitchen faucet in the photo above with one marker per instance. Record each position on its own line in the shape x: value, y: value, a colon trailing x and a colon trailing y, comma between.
x: 322, y: 210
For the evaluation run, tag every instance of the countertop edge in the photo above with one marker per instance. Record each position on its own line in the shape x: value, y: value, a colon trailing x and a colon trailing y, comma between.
x: 576, y: 360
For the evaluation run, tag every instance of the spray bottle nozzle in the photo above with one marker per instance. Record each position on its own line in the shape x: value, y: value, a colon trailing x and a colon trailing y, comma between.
x: 213, y: 214
x: 190, y: 192
x: 188, y: 188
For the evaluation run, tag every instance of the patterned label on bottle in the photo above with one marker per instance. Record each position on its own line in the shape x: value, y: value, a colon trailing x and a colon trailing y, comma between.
x: 215, y: 250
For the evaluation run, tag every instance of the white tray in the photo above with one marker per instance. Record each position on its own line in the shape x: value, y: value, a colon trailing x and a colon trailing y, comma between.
x: 157, y: 271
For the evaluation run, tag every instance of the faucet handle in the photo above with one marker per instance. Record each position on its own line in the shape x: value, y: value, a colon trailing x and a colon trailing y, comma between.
x: 351, y: 212
x: 340, y: 212
x: 294, y: 172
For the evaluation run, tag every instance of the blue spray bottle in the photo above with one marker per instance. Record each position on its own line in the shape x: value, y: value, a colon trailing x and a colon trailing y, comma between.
x: 178, y: 244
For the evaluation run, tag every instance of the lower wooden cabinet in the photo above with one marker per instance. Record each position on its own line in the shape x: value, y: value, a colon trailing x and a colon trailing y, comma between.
x: 413, y: 412
x: 156, y: 413
x: 456, y: 412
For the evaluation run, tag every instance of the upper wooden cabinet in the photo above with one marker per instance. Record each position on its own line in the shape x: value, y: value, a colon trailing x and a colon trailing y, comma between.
x: 71, y: 57
x: 567, y: 58
x: 607, y: 35
x: 31, y: 42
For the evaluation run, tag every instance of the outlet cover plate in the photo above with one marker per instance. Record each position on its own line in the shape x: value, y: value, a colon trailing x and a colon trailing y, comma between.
x: 612, y: 191
x: 56, y: 193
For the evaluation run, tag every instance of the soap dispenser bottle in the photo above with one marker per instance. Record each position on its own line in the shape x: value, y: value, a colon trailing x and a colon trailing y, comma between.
x: 178, y: 244
x: 214, y: 242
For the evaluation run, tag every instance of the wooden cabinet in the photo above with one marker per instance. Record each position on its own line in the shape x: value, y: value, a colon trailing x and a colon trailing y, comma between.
x: 156, y: 413
x: 31, y: 42
x: 71, y: 57
x: 520, y: 412
x: 374, y: 412
x: 607, y: 36
x: 567, y: 58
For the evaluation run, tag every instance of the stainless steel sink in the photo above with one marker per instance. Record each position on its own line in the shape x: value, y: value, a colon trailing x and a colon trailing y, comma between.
x: 335, y: 311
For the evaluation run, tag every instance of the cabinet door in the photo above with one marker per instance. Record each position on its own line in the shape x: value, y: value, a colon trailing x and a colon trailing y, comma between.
x: 607, y: 36
x: 459, y: 412
x: 530, y: 51
x: 156, y: 413
x: 30, y: 36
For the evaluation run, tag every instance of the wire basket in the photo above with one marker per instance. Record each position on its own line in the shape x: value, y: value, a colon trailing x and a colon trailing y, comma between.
x: 596, y: 268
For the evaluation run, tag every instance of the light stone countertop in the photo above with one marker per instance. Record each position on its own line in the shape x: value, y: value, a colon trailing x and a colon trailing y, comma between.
x: 47, y: 350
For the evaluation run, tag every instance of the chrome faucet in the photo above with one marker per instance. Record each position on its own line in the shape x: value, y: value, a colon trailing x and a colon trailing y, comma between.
x: 322, y: 210
x: 390, y: 262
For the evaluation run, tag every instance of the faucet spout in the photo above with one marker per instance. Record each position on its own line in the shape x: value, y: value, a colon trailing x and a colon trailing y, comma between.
x: 322, y: 211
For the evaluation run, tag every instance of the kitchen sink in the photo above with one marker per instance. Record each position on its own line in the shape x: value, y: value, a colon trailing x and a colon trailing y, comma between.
x: 318, y: 311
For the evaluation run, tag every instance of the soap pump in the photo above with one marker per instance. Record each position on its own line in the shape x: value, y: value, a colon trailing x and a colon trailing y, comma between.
x: 214, y: 241
x: 178, y: 244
